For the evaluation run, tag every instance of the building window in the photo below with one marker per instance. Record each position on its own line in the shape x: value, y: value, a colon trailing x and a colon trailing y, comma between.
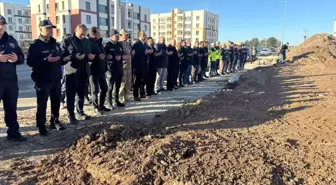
x: 129, y: 25
x: 39, y: 19
x: 102, y: 9
x: 145, y: 27
x: 154, y: 20
x: 47, y: 7
x: 10, y: 28
x: 87, y: 5
x: 154, y: 34
x: 20, y: 21
x: 197, y: 25
x: 19, y: 12
x: 29, y: 36
x: 154, y: 27
x: 88, y: 19
x: 39, y: 8
x: 136, y: 15
x: 112, y: 9
x: 57, y: 32
x: 197, y: 18
x: 112, y: 18
x: 26, y: 21
x: 129, y: 14
x: 197, y: 32
x: 63, y: 7
x: 28, y: 28
x: 63, y: 17
x: 56, y: 6
x: 10, y: 20
x: 9, y: 11
x: 64, y: 31
x: 102, y: 21
x: 197, y: 39
x: 20, y: 28
x: 57, y: 20
x: 145, y: 18
x: 21, y: 36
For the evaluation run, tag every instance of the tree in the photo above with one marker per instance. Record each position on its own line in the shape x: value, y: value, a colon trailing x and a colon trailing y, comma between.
x: 272, y: 42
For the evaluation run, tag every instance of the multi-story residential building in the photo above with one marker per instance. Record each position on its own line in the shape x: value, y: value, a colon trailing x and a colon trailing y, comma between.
x: 18, y: 19
x: 105, y: 14
x: 196, y: 25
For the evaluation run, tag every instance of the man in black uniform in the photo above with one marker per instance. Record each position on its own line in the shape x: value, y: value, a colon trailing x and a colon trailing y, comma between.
x: 139, y: 51
x: 45, y: 57
x: 173, y: 65
x: 98, y: 70
x: 282, y: 53
x: 114, y: 52
x: 205, y: 58
x: 77, y: 71
x: 151, y: 68
x: 232, y: 57
x: 10, y: 56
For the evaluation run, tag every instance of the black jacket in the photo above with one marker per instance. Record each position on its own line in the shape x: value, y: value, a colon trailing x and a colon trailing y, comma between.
x: 43, y: 70
x: 205, y: 52
x: 183, y: 52
x: 162, y: 60
x: 284, y: 49
x: 139, y: 61
x: 189, y: 58
x: 115, y: 49
x: 151, y: 60
x: 197, y: 58
x: 173, y: 60
x: 73, y: 45
x: 98, y: 66
x: 8, y: 70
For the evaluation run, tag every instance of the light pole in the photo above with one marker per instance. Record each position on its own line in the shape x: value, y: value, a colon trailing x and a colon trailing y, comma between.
x: 283, y: 22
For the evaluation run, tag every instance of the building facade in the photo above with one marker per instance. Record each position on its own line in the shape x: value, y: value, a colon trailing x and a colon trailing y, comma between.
x: 196, y: 25
x: 18, y: 21
x: 108, y: 15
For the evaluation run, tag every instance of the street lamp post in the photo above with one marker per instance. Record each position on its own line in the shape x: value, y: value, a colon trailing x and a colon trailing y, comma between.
x: 283, y: 22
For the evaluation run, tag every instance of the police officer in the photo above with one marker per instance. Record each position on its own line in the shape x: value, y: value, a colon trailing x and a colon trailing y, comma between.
x: 183, y: 54
x: 126, y: 83
x: 139, y: 51
x: 232, y: 57
x: 189, y: 60
x: 77, y: 71
x: 45, y: 57
x: 10, y: 56
x: 98, y: 69
x: 114, y: 52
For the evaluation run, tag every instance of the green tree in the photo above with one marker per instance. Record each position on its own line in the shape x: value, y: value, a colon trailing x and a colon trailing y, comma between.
x: 272, y: 42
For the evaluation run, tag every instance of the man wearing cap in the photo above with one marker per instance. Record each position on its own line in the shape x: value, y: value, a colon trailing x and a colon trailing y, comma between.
x: 77, y: 71
x: 45, y: 57
x: 10, y: 56
x: 98, y: 66
x: 139, y: 63
x: 114, y: 52
x: 126, y: 83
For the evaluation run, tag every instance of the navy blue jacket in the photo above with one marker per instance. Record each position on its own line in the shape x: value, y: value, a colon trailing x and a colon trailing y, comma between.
x: 44, y: 71
x: 114, y: 48
x: 8, y: 70
x: 162, y: 60
x: 139, y: 60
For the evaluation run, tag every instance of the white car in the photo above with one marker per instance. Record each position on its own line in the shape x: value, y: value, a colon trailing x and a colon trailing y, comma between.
x: 265, y: 52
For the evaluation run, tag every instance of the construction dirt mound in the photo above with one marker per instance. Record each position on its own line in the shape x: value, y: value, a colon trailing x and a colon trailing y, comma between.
x: 320, y: 48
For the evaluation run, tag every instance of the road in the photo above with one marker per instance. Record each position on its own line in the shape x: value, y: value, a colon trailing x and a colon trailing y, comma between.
x: 26, y: 85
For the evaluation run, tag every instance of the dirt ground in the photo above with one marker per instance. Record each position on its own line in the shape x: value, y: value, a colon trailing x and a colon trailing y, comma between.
x: 276, y: 127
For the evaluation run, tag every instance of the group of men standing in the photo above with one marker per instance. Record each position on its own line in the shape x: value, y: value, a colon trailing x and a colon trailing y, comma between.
x: 110, y: 71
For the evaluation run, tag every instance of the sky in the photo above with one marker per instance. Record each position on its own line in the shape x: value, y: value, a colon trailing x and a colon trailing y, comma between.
x: 241, y: 20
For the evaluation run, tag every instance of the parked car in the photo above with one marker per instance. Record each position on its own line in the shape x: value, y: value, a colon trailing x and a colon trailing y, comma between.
x: 265, y: 52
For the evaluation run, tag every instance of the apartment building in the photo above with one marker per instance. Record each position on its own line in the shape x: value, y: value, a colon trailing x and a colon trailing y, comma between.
x: 195, y: 25
x: 105, y: 14
x: 18, y: 19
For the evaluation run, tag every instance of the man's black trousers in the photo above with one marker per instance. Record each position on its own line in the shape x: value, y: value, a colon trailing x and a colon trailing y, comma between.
x: 98, y: 85
x: 150, y: 81
x: 139, y: 83
x: 114, y: 79
x: 183, y: 71
x: 9, y: 92
x: 75, y: 84
x: 173, y: 72
x: 43, y: 92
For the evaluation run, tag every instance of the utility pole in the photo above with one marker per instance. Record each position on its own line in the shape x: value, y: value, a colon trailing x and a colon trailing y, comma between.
x: 283, y: 22
x: 305, y: 34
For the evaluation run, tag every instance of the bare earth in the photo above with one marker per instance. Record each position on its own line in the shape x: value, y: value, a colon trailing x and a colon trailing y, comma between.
x: 276, y: 127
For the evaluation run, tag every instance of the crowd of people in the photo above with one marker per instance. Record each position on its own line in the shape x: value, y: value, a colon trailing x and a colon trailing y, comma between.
x: 82, y: 65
